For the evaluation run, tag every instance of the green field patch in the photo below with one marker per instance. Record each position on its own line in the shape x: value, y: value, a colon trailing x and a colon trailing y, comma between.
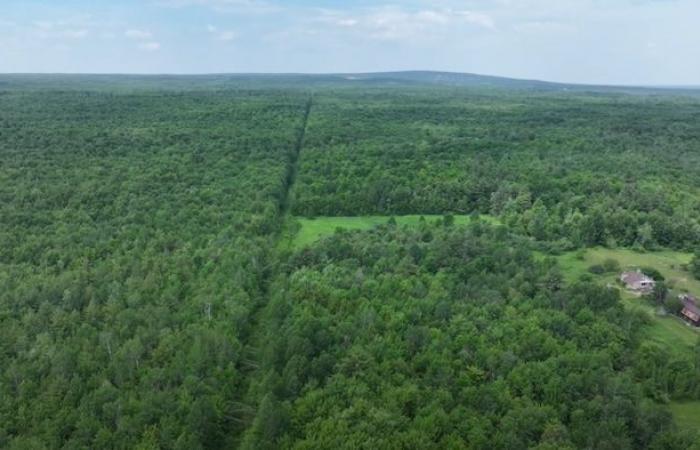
x: 687, y: 414
x: 669, y: 263
x: 666, y: 330
x: 311, y: 230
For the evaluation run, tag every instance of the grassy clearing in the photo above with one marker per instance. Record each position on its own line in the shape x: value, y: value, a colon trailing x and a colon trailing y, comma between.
x: 666, y: 330
x: 669, y: 263
x: 311, y: 230
x: 687, y: 414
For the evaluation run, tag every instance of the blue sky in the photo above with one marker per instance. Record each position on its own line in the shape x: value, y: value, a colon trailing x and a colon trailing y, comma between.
x: 593, y: 41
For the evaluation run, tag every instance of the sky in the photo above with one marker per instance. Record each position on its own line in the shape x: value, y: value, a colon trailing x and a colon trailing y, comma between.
x: 640, y: 42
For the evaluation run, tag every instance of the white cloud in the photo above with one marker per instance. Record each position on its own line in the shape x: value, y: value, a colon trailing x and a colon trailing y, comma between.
x: 226, y: 6
x: 76, y: 34
x: 347, y: 22
x: 44, y: 24
x: 223, y: 35
x: 544, y: 27
x: 483, y: 20
x: 432, y: 17
x: 138, y: 34
x: 399, y: 24
x: 227, y: 35
x: 46, y: 29
x: 149, y: 46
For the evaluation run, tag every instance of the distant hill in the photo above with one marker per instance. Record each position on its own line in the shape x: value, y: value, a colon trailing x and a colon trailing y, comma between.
x: 471, y: 80
x: 296, y: 80
x: 453, y: 79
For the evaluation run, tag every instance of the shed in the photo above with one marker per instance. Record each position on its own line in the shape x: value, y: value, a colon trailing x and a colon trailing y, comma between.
x: 690, y: 310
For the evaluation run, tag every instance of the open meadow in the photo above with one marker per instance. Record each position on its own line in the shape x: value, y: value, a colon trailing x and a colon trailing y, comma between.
x: 311, y: 230
x: 687, y: 414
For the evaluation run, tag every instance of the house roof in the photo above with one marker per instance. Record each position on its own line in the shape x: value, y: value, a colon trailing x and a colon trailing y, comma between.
x: 690, y: 303
x: 688, y: 297
x: 634, y: 277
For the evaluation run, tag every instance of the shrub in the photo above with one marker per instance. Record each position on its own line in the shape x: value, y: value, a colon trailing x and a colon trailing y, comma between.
x: 653, y: 273
x: 448, y: 220
x: 660, y: 293
x: 694, y: 266
x: 611, y: 265
x: 585, y: 277
x: 673, y: 305
x: 597, y: 269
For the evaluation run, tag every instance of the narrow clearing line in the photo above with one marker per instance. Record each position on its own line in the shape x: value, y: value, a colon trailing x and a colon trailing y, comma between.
x: 254, y: 342
x: 293, y: 167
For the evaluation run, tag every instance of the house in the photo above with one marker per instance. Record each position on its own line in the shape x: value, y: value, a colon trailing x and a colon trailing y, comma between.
x: 690, y: 310
x: 638, y: 282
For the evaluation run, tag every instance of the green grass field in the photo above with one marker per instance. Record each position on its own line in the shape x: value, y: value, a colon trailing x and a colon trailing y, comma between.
x: 667, y: 330
x: 669, y: 263
x: 311, y: 230
x: 687, y: 414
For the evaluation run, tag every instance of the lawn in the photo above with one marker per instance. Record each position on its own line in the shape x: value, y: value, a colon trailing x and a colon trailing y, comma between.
x: 311, y: 230
x: 666, y: 330
x: 668, y: 262
x: 687, y: 414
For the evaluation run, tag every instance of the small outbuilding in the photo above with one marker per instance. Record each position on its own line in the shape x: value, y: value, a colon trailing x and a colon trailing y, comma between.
x: 690, y: 311
x: 638, y: 282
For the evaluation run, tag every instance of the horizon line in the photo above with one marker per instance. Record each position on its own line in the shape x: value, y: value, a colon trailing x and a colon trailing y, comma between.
x: 361, y: 73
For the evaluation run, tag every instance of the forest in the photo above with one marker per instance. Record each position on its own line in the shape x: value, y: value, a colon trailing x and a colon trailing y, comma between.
x: 135, y: 242
x: 150, y: 297
x: 574, y: 170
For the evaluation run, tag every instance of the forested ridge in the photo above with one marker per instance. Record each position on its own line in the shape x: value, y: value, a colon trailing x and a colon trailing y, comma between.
x: 148, y: 299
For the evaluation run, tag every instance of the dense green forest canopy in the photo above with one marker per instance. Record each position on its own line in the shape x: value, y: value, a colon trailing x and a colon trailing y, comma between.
x: 574, y: 169
x: 446, y: 337
x: 147, y: 299
x: 135, y: 232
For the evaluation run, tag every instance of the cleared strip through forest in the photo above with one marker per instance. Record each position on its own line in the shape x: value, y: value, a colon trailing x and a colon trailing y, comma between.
x: 252, y: 345
x: 293, y: 166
